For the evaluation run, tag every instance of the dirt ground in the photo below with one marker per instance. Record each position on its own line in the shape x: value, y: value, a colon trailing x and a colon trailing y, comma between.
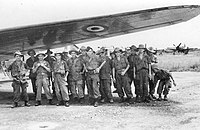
x: 182, y: 111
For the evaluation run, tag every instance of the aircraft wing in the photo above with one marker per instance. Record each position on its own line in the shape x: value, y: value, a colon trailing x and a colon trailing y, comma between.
x: 59, y: 34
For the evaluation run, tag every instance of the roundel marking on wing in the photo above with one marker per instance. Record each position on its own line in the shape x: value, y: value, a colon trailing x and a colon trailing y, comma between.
x: 95, y: 28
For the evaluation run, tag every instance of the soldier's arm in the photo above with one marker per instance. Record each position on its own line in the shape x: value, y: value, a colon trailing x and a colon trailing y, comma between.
x: 127, y: 67
x: 47, y: 67
x: 172, y: 79
x: 102, y: 64
x: 35, y: 67
x: 134, y: 75
x: 114, y: 80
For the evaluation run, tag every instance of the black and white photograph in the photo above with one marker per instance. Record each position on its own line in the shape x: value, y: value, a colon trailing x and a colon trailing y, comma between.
x: 99, y: 64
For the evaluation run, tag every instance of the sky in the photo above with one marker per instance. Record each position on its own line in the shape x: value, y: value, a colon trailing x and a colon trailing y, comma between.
x: 17, y: 13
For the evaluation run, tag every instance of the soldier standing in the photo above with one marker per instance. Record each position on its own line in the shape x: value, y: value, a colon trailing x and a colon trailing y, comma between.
x: 143, y: 73
x: 82, y: 57
x: 105, y: 77
x: 50, y: 59
x: 42, y: 68
x: 92, y: 68
x: 60, y: 73
x: 29, y: 62
x: 18, y: 71
x: 131, y: 72
x: 152, y: 84
x: 120, y: 76
x: 75, y: 76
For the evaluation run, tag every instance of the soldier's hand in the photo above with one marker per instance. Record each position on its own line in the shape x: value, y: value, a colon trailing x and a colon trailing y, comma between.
x: 97, y: 70
x: 123, y: 73
x: 114, y: 80
x: 134, y: 76
x: 150, y: 77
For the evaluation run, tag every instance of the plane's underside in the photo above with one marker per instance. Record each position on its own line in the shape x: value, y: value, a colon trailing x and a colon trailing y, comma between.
x: 52, y: 35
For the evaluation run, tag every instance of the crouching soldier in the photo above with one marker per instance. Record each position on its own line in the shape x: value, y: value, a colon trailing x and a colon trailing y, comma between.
x: 60, y: 72
x: 42, y: 68
x: 92, y: 68
x: 75, y: 76
x: 165, y: 82
x: 120, y: 76
x: 18, y: 70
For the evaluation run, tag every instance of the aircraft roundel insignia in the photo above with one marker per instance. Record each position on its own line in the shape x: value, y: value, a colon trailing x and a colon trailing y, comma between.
x: 95, y: 28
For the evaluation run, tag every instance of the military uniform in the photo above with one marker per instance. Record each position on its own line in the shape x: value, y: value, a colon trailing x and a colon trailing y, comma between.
x: 32, y: 75
x: 59, y: 71
x: 165, y: 82
x: 105, y: 78
x: 50, y: 60
x: 42, y: 80
x: 132, y: 60
x: 152, y: 84
x: 92, y: 78
x: 18, y: 71
x: 142, y: 75
x: 83, y: 58
x: 122, y: 81
x: 75, y: 77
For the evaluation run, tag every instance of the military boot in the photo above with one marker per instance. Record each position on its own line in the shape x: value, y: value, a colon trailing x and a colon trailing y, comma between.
x: 67, y: 104
x: 96, y: 103
x: 27, y: 104
x: 50, y: 102
x: 165, y: 98
x: 15, y: 104
x: 38, y: 103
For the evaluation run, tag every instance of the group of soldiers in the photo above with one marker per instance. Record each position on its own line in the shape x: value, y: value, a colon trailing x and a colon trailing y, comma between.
x: 68, y: 73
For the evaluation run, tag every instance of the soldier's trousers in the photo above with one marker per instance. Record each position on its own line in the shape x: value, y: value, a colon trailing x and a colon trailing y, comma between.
x: 135, y: 82
x: 33, y: 82
x: 123, y: 84
x: 143, y: 78
x: 164, y: 84
x: 43, y: 82
x: 105, y: 88
x: 61, y: 89
x: 16, y: 91
x: 152, y: 87
x: 92, y: 86
x: 77, y: 88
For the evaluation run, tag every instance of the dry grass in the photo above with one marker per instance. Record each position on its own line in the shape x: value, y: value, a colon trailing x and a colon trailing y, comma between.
x: 180, y: 62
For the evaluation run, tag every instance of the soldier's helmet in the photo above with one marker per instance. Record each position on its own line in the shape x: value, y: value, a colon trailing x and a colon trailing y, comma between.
x: 151, y: 49
x: 18, y: 53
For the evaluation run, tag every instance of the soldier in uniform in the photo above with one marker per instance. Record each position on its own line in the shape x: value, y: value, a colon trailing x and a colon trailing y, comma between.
x: 143, y: 73
x: 76, y: 70
x: 120, y: 76
x: 112, y: 55
x: 42, y: 68
x: 152, y: 85
x: 105, y: 77
x: 50, y: 59
x: 66, y: 58
x: 82, y: 56
x: 92, y: 68
x: 131, y: 71
x: 60, y: 73
x: 29, y: 62
x: 18, y: 71
x: 165, y: 82
x: 65, y: 55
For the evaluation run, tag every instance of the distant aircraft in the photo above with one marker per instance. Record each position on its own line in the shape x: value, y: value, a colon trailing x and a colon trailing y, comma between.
x: 180, y: 49
x: 60, y: 34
